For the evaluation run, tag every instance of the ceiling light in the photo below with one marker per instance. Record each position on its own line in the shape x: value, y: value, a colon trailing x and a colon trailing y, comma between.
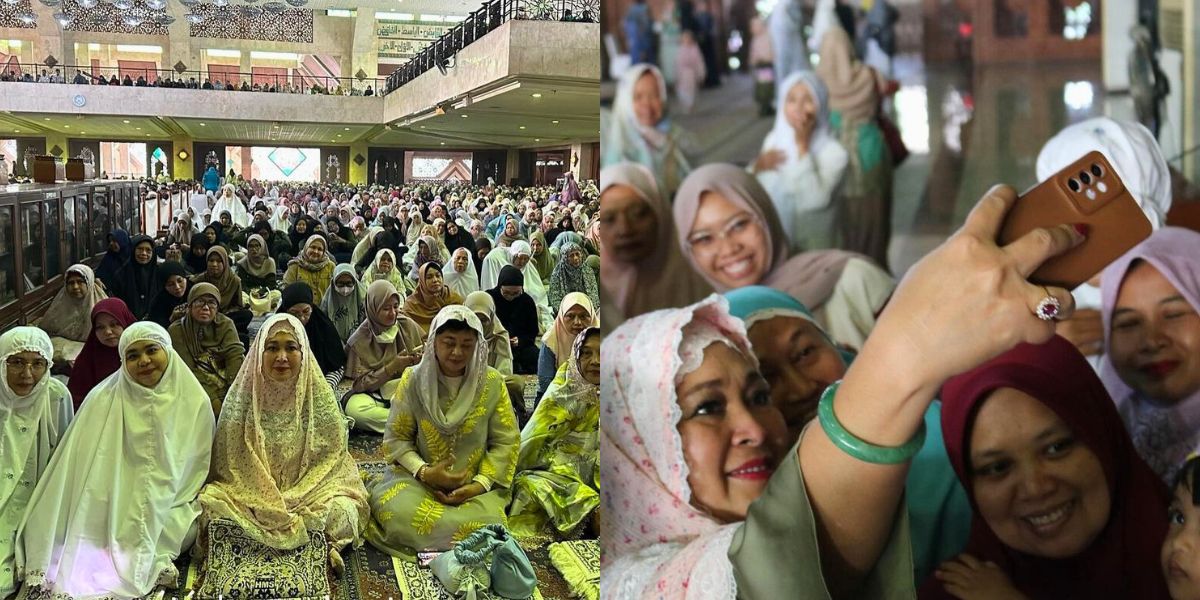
x: 443, y: 143
x: 46, y: 119
x: 464, y: 116
x: 66, y: 126
x: 82, y: 132
x: 16, y: 131
x: 339, y: 135
x: 138, y: 128
x: 422, y: 127
x: 521, y: 127
x: 202, y: 124
x: 555, y: 122
x: 536, y: 95
x: 537, y: 139
x: 123, y: 120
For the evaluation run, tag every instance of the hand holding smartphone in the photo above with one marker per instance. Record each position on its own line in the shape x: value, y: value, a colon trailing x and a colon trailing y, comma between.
x: 1087, y: 191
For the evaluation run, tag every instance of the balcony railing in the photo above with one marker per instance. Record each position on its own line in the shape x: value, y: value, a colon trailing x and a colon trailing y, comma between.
x: 484, y: 20
x: 191, y: 79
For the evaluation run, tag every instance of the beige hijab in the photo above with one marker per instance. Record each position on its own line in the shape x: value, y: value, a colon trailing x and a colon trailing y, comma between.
x: 228, y: 284
x: 559, y: 339
x: 494, y: 333
x: 662, y: 280
x: 372, y: 345
x: 276, y: 502
x: 69, y: 317
x: 853, y: 86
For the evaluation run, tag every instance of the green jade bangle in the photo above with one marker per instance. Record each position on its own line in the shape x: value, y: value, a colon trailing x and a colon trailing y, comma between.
x: 857, y: 447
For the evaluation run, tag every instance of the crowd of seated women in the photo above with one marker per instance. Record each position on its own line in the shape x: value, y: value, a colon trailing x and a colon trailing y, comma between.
x: 224, y: 364
x: 781, y: 419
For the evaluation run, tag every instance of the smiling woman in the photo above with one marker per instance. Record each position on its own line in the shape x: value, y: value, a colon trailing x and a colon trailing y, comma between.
x: 1150, y: 301
x: 1060, y: 494
x: 208, y: 343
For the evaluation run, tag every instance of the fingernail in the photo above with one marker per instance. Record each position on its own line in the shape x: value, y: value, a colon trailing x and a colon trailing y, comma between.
x: 1082, y: 229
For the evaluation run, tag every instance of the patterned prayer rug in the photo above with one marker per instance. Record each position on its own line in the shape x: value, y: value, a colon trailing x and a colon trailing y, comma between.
x: 579, y: 564
x: 239, y: 567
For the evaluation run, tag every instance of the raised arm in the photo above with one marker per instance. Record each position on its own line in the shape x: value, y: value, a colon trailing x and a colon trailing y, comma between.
x: 964, y: 303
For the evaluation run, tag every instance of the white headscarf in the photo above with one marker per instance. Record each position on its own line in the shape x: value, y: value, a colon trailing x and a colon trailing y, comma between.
x: 464, y: 283
x: 233, y: 204
x: 279, y: 219
x: 30, y: 427
x: 1129, y: 147
x: 119, y: 495
x: 655, y: 147
x: 426, y: 374
x: 782, y: 135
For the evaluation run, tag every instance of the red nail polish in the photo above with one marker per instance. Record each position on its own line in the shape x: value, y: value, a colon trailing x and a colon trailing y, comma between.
x: 1082, y: 229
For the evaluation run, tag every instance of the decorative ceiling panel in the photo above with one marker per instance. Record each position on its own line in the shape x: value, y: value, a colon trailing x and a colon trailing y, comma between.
x: 292, y: 25
x: 10, y: 15
x: 106, y: 18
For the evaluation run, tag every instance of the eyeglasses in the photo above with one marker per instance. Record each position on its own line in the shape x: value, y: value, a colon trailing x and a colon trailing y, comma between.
x: 705, y: 243
x: 203, y: 303
x: 21, y: 364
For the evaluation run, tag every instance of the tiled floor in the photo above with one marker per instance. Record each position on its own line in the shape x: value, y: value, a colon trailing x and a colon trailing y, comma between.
x: 967, y: 129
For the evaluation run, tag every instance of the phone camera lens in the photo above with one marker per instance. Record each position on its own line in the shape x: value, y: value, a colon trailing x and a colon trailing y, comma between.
x: 1085, y: 178
x: 1097, y: 170
x: 1073, y: 184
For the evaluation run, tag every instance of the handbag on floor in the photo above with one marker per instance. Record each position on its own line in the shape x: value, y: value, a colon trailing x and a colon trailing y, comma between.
x: 464, y: 571
x: 512, y: 573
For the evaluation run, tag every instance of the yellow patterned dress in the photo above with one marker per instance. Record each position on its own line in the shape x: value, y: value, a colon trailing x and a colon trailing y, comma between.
x: 558, y: 475
x: 405, y: 516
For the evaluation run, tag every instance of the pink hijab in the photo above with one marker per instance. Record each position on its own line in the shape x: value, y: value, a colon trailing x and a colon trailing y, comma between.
x: 1163, y: 436
x: 655, y: 544
x: 662, y: 280
x: 809, y: 277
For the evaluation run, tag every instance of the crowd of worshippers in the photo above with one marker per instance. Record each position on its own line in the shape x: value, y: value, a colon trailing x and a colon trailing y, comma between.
x: 409, y: 313
x: 782, y: 419
x: 232, y: 82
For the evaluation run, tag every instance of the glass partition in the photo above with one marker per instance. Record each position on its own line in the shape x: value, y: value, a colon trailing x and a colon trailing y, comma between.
x: 54, y: 264
x: 8, y: 264
x: 101, y: 225
x: 33, y: 242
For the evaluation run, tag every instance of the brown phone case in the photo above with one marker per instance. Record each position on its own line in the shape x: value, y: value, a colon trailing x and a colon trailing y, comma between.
x: 1087, y: 191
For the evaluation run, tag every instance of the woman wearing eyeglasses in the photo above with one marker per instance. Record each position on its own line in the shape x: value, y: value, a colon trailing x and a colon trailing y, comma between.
x: 208, y: 343
x: 37, y: 411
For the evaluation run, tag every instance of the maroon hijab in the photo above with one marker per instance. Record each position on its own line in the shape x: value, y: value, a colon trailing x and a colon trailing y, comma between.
x: 1123, y: 561
x: 97, y: 361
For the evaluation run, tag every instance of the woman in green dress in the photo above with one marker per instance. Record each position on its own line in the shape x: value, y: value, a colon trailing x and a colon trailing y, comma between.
x: 452, y: 440
x: 558, y: 472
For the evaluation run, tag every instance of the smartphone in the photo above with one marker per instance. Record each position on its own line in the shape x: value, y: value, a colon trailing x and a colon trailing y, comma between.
x: 1086, y: 191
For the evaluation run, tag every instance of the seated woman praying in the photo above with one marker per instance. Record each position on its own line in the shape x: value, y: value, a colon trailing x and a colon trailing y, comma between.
x: 430, y: 296
x: 452, y: 441
x: 377, y: 353
x: 170, y: 301
x: 344, y: 301
x: 558, y: 469
x: 312, y: 266
x: 459, y: 274
x: 99, y: 358
x: 280, y: 465
x: 323, y: 338
x: 572, y: 275
x: 575, y: 313
x: 68, y: 314
x: 518, y: 314
x: 257, y: 269
x: 68, y: 319
x: 117, y: 503
x: 208, y: 344
x: 1063, y: 503
x: 500, y: 346
x: 384, y: 268
x: 219, y: 273
x: 135, y: 281
x: 37, y: 409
